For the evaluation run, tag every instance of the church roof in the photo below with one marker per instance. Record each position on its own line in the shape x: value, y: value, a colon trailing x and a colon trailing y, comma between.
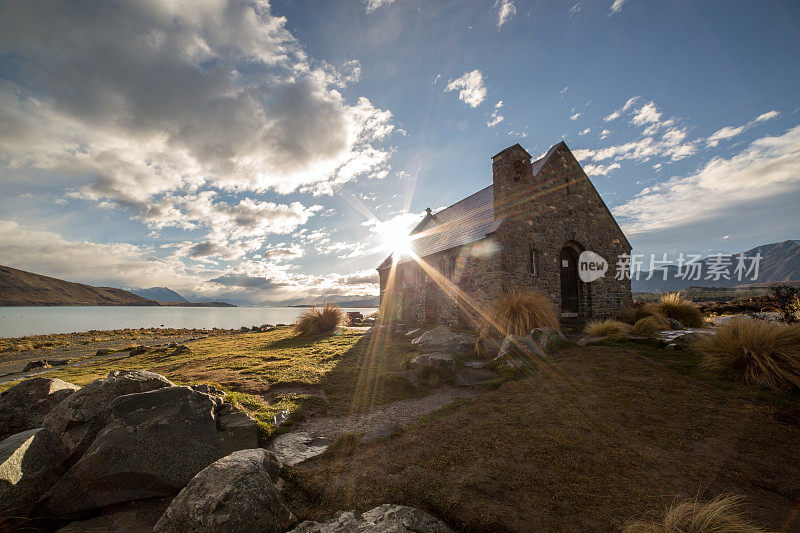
x: 466, y: 221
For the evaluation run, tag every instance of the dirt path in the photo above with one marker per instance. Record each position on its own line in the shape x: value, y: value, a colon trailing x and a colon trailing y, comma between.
x: 397, y: 413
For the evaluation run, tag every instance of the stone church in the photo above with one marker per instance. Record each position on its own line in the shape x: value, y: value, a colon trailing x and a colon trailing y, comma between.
x: 526, y: 230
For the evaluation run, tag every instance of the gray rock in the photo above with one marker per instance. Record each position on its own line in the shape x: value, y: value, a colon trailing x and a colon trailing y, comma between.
x: 181, y: 350
x: 33, y: 365
x: 205, y: 388
x: 104, y: 351
x: 466, y: 377
x: 298, y: 446
x: 406, y: 380
x: 139, y: 350
x: 30, y: 462
x: 490, y: 347
x: 79, y: 418
x: 414, y: 333
x: 516, y: 349
x: 590, y: 339
x: 427, y: 365
x: 25, y: 405
x: 237, y: 430
x: 548, y: 339
x: 441, y: 339
x: 674, y: 324
x: 154, y: 444
x: 281, y: 418
x: 476, y: 364
x: 136, y: 517
x: 235, y: 493
x: 388, y: 518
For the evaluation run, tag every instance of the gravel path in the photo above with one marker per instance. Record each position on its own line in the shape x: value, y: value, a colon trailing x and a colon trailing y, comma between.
x: 398, y: 413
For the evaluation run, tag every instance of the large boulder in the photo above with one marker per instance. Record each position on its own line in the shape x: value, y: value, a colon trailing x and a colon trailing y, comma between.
x: 237, y: 430
x: 442, y: 339
x: 429, y: 365
x: 154, y: 444
x: 298, y: 446
x: 30, y: 462
x: 24, y: 406
x: 388, y: 518
x: 549, y: 339
x: 519, y: 350
x: 235, y: 493
x: 78, y: 419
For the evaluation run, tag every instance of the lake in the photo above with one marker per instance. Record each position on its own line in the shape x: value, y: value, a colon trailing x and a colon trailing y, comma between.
x: 22, y: 321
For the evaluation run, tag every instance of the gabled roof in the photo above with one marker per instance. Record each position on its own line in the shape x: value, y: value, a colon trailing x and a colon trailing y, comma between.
x: 466, y: 221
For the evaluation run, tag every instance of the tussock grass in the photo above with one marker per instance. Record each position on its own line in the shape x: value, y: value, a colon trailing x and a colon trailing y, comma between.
x: 607, y: 328
x: 516, y: 312
x: 649, y: 325
x: 684, y: 311
x: 633, y: 313
x: 757, y: 352
x: 720, y: 515
x: 316, y: 320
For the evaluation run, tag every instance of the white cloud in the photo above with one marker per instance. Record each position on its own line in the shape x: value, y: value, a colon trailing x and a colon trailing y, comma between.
x: 729, y: 132
x: 470, y: 87
x: 616, y: 6
x: 495, y: 118
x: 584, y: 132
x: 372, y: 5
x: 767, y: 168
x: 150, y: 98
x: 604, y: 134
x: 576, y: 8
x: 563, y: 91
x: 647, y: 114
x: 600, y: 170
x: 575, y: 116
x: 505, y: 10
x: 617, y: 113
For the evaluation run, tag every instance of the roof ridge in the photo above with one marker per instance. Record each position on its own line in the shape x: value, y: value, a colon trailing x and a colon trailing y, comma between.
x: 464, y: 199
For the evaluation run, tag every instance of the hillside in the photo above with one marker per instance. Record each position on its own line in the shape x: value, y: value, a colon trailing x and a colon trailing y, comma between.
x: 780, y: 261
x: 160, y: 294
x: 18, y: 287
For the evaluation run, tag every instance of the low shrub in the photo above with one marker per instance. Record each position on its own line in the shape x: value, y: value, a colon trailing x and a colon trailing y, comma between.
x: 633, y: 313
x: 684, y: 311
x: 515, y: 312
x: 649, y: 325
x: 607, y: 328
x: 758, y: 352
x: 316, y: 320
x: 690, y: 516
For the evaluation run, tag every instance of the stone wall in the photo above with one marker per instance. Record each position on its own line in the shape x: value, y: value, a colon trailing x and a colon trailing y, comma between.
x: 545, y: 212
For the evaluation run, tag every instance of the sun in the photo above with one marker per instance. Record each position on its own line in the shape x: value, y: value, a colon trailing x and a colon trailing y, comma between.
x: 396, y: 240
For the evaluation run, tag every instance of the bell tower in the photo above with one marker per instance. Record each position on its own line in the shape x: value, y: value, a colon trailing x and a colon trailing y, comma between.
x: 512, y: 175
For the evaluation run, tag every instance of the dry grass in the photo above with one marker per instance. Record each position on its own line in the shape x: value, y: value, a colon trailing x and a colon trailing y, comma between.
x: 518, y: 312
x: 720, y: 515
x: 649, y: 325
x: 756, y: 351
x: 316, y: 320
x: 639, y: 310
x: 607, y: 328
x: 684, y: 311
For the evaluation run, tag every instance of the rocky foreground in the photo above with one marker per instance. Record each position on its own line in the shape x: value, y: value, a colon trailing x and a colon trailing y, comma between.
x: 133, y: 451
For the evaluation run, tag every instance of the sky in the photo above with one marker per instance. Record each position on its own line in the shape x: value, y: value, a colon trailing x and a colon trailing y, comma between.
x: 270, y: 152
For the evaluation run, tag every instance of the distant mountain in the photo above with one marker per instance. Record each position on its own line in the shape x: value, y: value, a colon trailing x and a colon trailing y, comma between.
x: 161, y: 294
x: 780, y: 261
x: 18, y: 287
x: 341, y: 301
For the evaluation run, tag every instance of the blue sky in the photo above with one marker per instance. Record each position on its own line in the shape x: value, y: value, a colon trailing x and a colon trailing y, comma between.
x: 266, y: 152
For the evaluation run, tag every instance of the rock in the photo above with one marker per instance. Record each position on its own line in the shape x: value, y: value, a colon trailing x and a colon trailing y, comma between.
x: 59, y: 362
x: 154, y: 444
x: 427, y: 365
x: 181, y: 350
x: 381, y: 433
x: 298, y: 446
x: 33, y: 365
x: 674, y: 324
x: 244, y: 329
x: 466, y: 377
x: 24, y: 406
x: 205, y: 388
x: 441, y: 339
x: 489, y: 347
x: 414, y: 333
x: 354, y: 317
x: 235, y: 493
x: 237, y: 430
x: 281, y: 418
x: 139, y: 350
x: 280, y: 325
x: 476, y: 364
x: 79, y: 418
x: 104, y: 351
x: 137, y: 517
x: 405, y: 380
x: 388, y: 518
x: 30, y: 463
x: 548, y: 339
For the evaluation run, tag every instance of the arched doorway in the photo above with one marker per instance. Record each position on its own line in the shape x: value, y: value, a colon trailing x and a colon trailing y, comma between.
x: 569, y: 282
